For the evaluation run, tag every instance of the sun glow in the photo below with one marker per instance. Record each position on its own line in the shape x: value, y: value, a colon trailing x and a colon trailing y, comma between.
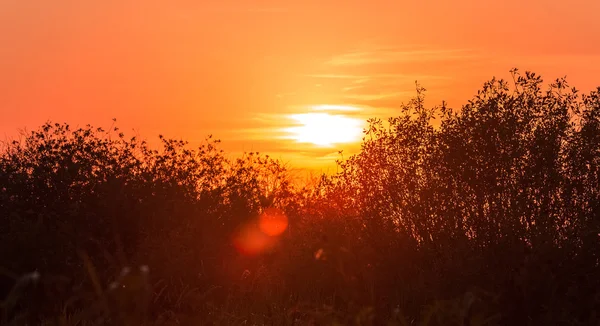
x: 325, y: 129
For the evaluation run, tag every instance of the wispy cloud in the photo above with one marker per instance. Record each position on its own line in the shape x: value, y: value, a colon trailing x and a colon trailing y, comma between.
x: 378, y: 96
x: 329, y: 107
x: 397, y: 55
x: 272, y: 137
x: 385, y: 76
x: 388, y: 83
x: 358, y: 85
x: 352, y: 88
x: 352, y: 110
x: 358, y: 78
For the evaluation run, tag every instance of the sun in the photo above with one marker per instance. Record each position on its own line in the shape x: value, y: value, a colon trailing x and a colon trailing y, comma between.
x: 325, y: 129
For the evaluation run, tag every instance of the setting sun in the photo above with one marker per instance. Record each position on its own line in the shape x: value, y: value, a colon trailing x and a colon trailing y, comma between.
x: 325, y: 129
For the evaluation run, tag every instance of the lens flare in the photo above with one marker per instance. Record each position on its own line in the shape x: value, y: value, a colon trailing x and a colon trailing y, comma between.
x: 251, y: 241
x: 273, y: 222
x: 262, y: 234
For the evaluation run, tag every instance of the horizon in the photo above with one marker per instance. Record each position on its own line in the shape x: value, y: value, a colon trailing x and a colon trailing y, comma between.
x: 270, y: 77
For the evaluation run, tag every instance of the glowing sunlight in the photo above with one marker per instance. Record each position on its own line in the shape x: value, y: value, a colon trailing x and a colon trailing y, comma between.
x: 325, y: 129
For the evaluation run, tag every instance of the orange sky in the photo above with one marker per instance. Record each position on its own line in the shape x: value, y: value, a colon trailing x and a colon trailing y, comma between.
x: 238, y: 69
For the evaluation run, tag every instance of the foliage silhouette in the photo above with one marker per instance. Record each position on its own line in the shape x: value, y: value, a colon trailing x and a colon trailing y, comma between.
x: 482, y: 216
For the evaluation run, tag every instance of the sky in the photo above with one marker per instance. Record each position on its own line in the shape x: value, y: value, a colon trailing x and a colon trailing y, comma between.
x: 294, y: 79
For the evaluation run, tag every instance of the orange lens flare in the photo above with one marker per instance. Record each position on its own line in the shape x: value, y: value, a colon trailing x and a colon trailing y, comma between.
x: 261, y: 235
x: 273, y: 222
x: 251, y: 241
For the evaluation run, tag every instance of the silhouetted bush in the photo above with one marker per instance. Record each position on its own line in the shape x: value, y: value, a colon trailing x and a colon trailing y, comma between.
x: 484, y: 215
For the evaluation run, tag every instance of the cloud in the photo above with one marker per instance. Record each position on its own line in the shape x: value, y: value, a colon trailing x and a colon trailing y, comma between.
x: 256, y: 139
x: 271, y: 131
x: 384, y: 77
x: 360, y: 78
x: 398, y: 55
x: 331, y: 76
x: 330, y: 107
x: 378, y: 85
x: 359, y: 111
x: 378, y: 96
x: 361, y: 85
x: 352, y: 88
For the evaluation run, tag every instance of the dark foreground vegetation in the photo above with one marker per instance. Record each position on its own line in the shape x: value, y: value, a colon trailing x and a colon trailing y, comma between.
x: 487, y: 215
